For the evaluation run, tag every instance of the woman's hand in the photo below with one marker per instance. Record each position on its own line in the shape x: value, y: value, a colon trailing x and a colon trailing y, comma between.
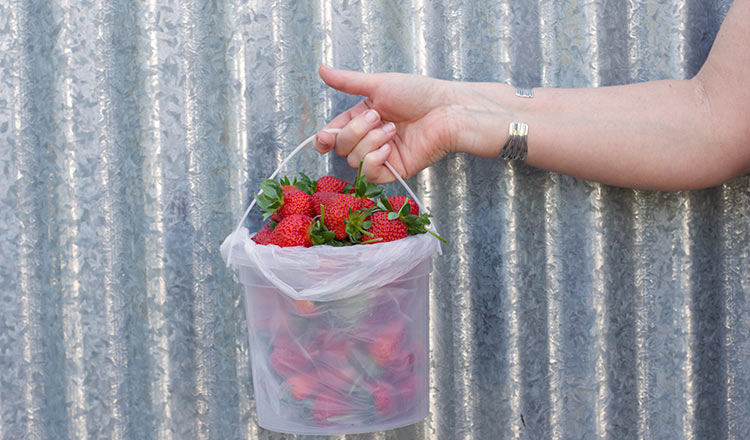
x: 404, y: 119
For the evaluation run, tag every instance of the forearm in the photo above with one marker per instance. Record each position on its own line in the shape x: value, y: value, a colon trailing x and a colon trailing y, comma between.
x: 654, y: 135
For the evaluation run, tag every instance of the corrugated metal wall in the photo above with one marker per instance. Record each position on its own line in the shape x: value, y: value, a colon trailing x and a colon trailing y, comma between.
x: 131, y: 137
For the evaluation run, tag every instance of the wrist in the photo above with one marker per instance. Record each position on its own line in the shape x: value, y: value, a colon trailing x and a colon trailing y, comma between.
x: 483, y: 113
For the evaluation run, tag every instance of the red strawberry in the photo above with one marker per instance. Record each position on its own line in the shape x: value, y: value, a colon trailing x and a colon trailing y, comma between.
x: 367, y: 203
x: 337, y: 213
x: 402, y: 364
x: 398, y: 201
x: 302, y: 386
x: 304, y: 307
x: 280, y: 199
x: 261, y: 236
x: 288, y: 359
x: 384, y: 229
x: 292, y: 231
x: 331, y: 184
x: 322, y: 198
x: 384, y: 396
x: 329, y: 405
x: 386, y: 344
x: 295, y: 202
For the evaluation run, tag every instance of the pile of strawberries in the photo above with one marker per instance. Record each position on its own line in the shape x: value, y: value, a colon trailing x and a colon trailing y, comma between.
x: 347, y: 362
x: 330, y: 211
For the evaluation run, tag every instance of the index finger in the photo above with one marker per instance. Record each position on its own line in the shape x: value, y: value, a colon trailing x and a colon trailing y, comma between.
x: 324, y: 141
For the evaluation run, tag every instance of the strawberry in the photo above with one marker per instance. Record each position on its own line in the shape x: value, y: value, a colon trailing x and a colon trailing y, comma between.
x: 288, y: 359
x: 279, y: 200
x: 261, y: 236
x: 292, y: 231
x: 415, y: 224
x: 386, y: 344
x: 337, y: 213
x: 367, y: 203
x: 304, y: 307
x: 331, y: 184
x: 295, y: 202
x: 398, y: 201
x: 402, y: 364
x: 383, y: 228
x: 299, y: 230
x: 302, y: 386
x: 321, y: 198
x: 384, y: 396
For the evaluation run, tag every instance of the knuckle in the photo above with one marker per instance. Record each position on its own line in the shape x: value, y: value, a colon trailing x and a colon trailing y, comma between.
x: 359, y: 129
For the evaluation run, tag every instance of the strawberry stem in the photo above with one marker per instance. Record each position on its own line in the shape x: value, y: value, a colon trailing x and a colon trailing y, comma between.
x: 359, y: 173
x: 437, y: 236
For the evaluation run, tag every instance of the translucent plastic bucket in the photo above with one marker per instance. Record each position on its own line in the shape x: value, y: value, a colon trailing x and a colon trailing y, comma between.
x: 356, y: 363
x: 338, y: 335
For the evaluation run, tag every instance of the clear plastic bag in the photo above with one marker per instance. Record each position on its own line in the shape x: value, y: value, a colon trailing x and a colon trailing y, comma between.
x: 326, y: 273
x: 338, y: 335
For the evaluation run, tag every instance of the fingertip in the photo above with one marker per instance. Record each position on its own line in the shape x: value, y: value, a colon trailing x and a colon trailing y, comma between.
x: 347, y: 81
x: 323, y: 69
x: 323, y: 142
x: 374, y: 168
x: 379, y: 156
x: 326, y: 74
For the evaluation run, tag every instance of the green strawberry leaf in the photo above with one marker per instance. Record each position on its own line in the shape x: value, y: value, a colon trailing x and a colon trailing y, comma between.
x: 356, y: 226
x: 306, y: 184
x: 364, y: 189
x: 271, y: 198
x: 319, y: 233
x: 384, y: 204
x: 405, y: 208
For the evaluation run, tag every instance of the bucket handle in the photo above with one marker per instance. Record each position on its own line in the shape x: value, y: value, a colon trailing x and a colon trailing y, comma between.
x: 286, y: 160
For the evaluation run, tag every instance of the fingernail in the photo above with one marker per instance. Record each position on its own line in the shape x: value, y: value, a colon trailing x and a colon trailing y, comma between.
x: 389, y: 127
x: 371, y: 116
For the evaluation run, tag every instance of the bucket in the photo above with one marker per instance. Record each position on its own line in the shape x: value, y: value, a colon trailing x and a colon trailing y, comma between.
x: 338, y: 336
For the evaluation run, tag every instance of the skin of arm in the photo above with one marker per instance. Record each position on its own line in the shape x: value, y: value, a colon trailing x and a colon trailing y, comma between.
x: 663, y: 135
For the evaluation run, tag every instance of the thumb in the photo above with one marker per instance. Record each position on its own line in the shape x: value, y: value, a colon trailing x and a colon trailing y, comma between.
x: 348, y: 81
